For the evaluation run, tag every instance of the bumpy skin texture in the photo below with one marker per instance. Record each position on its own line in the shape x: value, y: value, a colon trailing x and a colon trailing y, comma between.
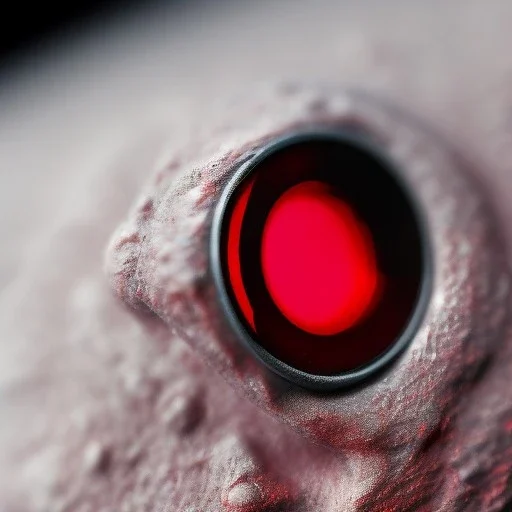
x: 411, y: 427
x: 105, y: 408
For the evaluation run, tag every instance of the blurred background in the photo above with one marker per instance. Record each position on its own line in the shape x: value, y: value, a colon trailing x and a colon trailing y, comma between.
x: 36, y: 25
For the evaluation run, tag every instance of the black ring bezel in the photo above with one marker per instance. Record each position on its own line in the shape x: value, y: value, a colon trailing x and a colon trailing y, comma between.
x: 302, y: 378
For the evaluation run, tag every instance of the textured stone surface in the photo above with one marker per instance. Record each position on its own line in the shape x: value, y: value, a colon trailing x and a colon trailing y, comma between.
x: 423, y: 396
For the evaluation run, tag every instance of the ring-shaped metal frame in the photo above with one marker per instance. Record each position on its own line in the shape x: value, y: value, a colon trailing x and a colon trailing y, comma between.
x: 304, y: 379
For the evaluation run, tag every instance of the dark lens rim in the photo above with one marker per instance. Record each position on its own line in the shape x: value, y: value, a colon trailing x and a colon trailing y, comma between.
x: 302, y: 378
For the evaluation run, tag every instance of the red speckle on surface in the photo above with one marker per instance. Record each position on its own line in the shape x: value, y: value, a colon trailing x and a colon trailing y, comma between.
x: 318, y: 260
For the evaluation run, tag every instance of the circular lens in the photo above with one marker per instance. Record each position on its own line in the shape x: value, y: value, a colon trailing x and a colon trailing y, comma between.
x: 320, y: 258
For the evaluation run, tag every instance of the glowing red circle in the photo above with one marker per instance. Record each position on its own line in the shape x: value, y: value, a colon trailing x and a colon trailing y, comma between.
x: 318, y: 260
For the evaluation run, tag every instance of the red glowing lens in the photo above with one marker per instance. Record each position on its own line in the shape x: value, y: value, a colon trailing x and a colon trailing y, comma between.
x: 318, y: 260
x: 321, y: 254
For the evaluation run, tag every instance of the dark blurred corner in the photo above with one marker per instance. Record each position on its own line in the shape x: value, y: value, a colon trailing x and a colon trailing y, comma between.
x: 25, y: 26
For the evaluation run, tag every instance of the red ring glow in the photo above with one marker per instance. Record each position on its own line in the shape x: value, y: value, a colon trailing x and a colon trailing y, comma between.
x: 233, y: 253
